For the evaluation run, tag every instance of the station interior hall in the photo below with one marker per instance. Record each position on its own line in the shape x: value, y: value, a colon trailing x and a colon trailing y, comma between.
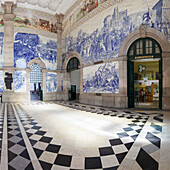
x: 84, y: 85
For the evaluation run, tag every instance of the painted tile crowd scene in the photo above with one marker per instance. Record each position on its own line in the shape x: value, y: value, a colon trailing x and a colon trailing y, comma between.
x: 102, y: 78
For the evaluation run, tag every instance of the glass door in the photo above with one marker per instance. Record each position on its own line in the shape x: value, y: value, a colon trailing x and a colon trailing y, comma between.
x: 147, y: 80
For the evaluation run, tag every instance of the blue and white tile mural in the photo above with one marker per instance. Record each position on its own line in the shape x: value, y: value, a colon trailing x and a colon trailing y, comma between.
x: 1, y: 81
x: 51, y: 82
x: 20, y: 81
x: 101, y: 78
x: 1, y: 49
x: 28, y: 46
x: 100, y: 41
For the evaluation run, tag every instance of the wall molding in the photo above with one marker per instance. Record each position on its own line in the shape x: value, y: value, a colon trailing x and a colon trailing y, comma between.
x: 35, y: 31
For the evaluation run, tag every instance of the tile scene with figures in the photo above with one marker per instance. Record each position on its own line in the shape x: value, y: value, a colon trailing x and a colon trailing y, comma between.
x: 102, y: 40
x: 101, y: 78
x: 36, y: 46
x: 70, y: 135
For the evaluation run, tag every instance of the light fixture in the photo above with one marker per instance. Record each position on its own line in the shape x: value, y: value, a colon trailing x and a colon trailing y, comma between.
x: 141, y: 68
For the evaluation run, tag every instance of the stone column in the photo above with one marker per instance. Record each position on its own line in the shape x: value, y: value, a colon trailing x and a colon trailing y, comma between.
x: 28, y: 70
x: 165, y: 61
x: 59, y: 54
x: 122, y: 100
x: 81, y: 80
x: 44, y: 83
x: 166, y: 81
x: 8, y: 16
x: 8, y: 33
x: 66, y: 84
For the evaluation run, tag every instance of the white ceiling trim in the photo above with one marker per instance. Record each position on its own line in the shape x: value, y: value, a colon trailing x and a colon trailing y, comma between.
x: 49, y: 6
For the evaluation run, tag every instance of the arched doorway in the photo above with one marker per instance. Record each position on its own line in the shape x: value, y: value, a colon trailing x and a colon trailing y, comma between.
x: 74, y: 74
x: 144, y: 74
x: 161, y: 39
x: 36, y: 82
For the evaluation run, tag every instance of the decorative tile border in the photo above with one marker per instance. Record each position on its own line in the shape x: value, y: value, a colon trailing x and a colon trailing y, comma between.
x: 94, y: 12
x: 72, y: 8
x: 38, y: 13
x: 35, y: 31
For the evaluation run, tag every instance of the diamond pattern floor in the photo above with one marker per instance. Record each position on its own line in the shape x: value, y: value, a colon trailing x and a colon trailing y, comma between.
x: 1, y: 125
x: 53, y: 152
x: 18, y: 157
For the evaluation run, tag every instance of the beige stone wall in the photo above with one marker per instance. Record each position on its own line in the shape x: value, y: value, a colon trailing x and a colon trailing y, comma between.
x: 8, y: 94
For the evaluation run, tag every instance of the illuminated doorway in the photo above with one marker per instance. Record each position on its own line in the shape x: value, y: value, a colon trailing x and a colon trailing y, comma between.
x: 36, y: 82
x: 144, y: 74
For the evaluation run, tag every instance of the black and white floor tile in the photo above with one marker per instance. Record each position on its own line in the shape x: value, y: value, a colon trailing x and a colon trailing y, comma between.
x: 58, y: 148
x: 148, y: 156
x: 18, y: 157
x: 109, y: 156
x: 2, y: 108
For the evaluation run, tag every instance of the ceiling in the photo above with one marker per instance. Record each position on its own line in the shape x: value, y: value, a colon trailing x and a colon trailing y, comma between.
x: 49, y: 6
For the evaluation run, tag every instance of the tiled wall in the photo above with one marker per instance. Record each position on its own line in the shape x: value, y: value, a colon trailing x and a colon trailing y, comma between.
x: 101, y: 78
x: 1, y: 49
x: 28, y: 46
x: 34, y: 37
x: 1, y: 81
x: 100, y: 37
x: 20, y: 81
x: 51, y: 82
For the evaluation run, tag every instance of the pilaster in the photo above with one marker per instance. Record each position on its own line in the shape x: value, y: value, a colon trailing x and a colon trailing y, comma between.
x: 8, y: 16
x: 59, y: 50
x: 44, y: 80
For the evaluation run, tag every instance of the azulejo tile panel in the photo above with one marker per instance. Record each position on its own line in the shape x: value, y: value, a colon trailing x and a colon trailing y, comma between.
x: 28, y: 46
x: 51, y: 82
x: 1, y: 81
x: 1, y: 49
x: 20, y: 81
x: 101, y: 78
x: 102, y: 40
x: 83, y: 10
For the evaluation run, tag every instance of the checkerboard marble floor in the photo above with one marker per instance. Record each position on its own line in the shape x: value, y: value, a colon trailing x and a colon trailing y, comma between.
x: 73, y: 136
